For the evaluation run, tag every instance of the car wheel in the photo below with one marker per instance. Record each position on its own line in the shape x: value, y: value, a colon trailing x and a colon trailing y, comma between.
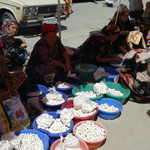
x: 7, y: 16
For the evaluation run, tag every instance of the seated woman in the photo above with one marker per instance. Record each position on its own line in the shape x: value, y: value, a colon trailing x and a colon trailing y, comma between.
x: 14, y: 48
x: 9, y: 82
x: 49, y: 58
x: 121, y: 19
x: 97, y: 49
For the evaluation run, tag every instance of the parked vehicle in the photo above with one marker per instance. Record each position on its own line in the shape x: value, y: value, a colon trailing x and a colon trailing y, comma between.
x: 32, y: 12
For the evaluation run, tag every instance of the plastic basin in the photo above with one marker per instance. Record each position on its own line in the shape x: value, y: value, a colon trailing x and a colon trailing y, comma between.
x: 32, y: 89
x: 44, y: 137
x: 91, y: 145
x: 85, y: 67
x: 85, y: 88
x: 83, y: 145
x: 53, y: 136
x: 118, y: 87
x: 110, y: 102
x: 69, y: 104
x: 68, y: 91
x: 88, y: 77
x: 113, y: 74
x: 53, y: 107
x: 73, y: 54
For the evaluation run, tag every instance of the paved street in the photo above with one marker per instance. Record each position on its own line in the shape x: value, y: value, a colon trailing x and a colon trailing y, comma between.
x: 131, y: 130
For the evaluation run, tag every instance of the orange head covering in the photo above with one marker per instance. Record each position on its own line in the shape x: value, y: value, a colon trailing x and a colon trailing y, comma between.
x: 48, y: 28
x: 110, y: 29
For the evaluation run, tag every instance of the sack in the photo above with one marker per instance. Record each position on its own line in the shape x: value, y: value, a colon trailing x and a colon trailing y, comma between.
x: 135, y: 72
x: 13, y: 115
x: 5, y: 123
x: 135, y: 40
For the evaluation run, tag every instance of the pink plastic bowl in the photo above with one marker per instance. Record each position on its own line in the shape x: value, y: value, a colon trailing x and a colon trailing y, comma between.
x: 83, y: 145
x: 91, y: 145
x: 69, y: 104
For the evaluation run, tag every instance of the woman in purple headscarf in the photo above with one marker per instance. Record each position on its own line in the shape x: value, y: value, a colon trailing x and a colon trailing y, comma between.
x: 14, y: 48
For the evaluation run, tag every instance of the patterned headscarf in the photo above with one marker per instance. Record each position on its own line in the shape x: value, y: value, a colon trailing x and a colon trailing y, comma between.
x: 122, y: 9
x: 10, y: 22
x: 110, y: 29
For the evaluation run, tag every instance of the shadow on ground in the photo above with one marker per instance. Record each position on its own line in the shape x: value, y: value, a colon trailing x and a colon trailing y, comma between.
x: 34, y: 31
x: 94, y: 32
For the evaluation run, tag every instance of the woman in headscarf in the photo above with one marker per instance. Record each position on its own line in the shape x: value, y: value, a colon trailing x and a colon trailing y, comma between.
x: 49, y: 59
x: 14, y: 48
x: 97, y: 49
x: 9, y: 81
x: 121, y: 19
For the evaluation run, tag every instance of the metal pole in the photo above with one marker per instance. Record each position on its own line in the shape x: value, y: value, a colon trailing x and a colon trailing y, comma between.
x: 59, y: 23
x: 117, y: 12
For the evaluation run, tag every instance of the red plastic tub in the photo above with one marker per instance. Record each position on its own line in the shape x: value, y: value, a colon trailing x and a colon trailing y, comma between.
x: 83, y: 145
x: 69, y: 104
x: 91, y: 145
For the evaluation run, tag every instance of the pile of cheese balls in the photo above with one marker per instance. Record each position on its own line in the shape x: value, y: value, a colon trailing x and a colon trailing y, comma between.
x: 53, y: 98
x: 47, y: 122
x: 89, y: 131
x: 83, y: 107
x: 24, y: 141
x: 107, y: 108
x: 89, y: 94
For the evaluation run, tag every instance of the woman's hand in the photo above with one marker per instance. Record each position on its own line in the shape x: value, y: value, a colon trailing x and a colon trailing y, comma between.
x: 12, y: 92
x: 4, y: 96
x: 58, y: 63
x: 117, y: 59
x: 68, y: 66
x: 23, y: 45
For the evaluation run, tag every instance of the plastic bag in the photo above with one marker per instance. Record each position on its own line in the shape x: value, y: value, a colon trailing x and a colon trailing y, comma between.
x: 100, y: 88
x: 71, y: 141
x: 89, y: 106
x: 100, y: 72
x: 60, y: 146
x: 66, y: 116
x: 8, y: 136
x: 44, y: 121
x: 78, y: 101
x: 13, y: 115
x: 5, y: 123
x: 54, y: 94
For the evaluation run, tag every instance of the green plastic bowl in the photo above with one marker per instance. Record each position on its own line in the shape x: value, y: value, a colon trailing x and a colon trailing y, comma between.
x: 85, y: 88
x: 126, y: 92
x: 86, y: 78
x: 85, y: 67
